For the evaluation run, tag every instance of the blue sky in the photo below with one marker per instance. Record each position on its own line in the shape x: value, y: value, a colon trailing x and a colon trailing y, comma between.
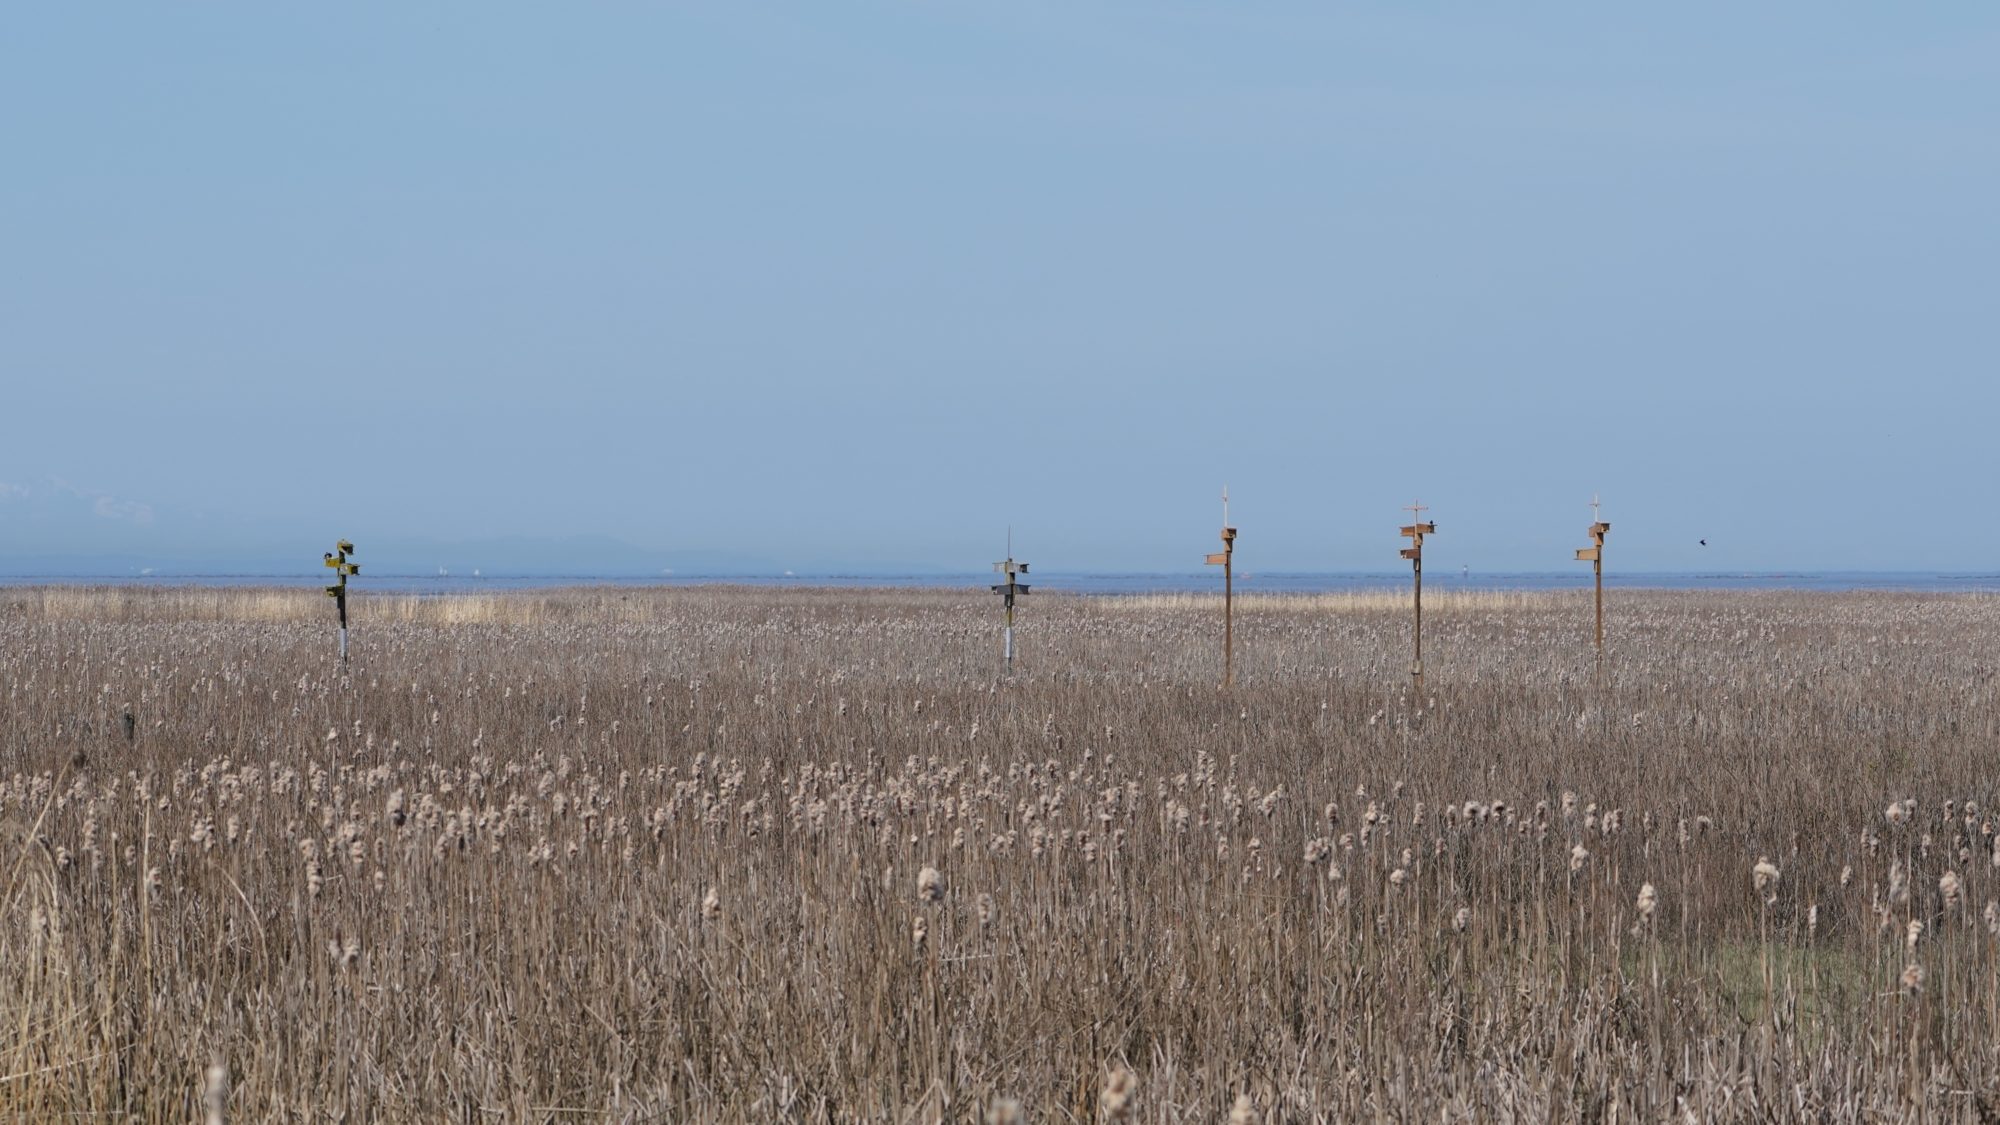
x: 868, y: 282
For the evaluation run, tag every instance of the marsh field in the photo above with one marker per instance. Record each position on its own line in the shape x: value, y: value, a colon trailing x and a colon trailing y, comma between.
x: 766, y: 855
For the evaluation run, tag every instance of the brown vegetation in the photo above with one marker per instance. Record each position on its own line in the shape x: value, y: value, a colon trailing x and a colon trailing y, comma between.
x: 757, y: 855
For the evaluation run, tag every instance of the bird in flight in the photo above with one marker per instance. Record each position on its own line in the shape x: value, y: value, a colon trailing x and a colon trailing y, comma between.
x: 1704, y: 542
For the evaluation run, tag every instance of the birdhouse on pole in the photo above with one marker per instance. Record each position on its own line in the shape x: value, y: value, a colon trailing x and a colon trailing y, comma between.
x: 1415, y: 531
x: 337, y: 559
x: 1012, y: 572
x: 1594, y: 555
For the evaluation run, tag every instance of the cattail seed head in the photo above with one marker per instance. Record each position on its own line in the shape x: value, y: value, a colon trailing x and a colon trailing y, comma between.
x: 1648, y: 900
x: 920, y: 932
x: 215, y: 1093
x: 1115, y: 1099
x: 711, y: 905
x: 1242, y: 1113
x: 930, y: 885
x: 1005, y: 1111
x: 1949, y: 887
x: 1913, y: 933
x: 1461, y: 919
x: 1578, y: 856
x: 1765, y: 876
x: 1913, y: 979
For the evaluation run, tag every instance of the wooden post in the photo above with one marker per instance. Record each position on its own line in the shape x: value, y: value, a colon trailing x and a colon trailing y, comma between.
x: 1228, y: 596
x: 1223, y: 558
x: 1594, y: 555
x: 1415, y: 532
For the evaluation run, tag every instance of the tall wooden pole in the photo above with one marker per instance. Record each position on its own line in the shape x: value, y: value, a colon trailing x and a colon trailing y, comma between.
x: 1228, y: 609
x: 1415, y: 531
x: 1597, y: 571
x: 1417, y: 573
x: 1594, y: 554
x: 1597, y: 568
x: 1223, y: 559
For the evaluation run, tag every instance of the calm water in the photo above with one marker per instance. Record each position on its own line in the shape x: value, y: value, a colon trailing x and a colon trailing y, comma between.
x: 1289, y: 583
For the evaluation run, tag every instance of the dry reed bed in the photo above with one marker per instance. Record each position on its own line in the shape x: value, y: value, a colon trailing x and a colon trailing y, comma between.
x: 753, y: 855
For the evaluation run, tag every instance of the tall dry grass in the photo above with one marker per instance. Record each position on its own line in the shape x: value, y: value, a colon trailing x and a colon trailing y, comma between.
x: 753, y: 855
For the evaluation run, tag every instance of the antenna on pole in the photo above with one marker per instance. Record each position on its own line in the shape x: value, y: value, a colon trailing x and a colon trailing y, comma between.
x: 1415, y: 531
x: 1594, y: 555
x: 1008, y: 589
x: 337, y: 559
x: 1222, y: 559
